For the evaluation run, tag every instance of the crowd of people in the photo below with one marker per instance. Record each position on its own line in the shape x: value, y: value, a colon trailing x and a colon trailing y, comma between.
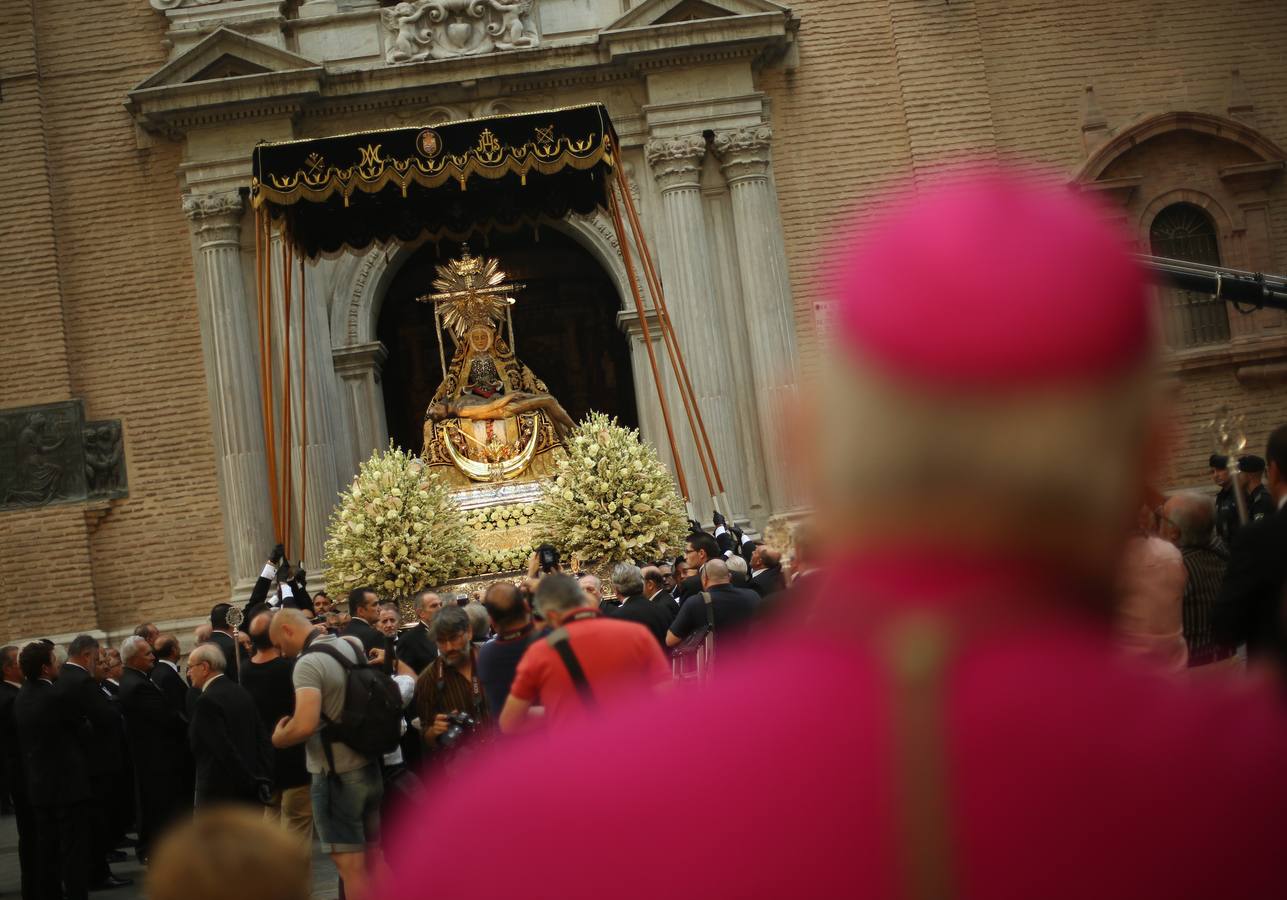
x: 999, y: 699
x: 102, y: 743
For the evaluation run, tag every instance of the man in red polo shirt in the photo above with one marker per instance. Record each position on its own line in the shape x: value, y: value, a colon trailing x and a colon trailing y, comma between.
x: 585, y: 662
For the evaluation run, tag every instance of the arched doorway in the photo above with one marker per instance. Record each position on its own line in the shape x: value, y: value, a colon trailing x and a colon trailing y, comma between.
x: 564, y: 326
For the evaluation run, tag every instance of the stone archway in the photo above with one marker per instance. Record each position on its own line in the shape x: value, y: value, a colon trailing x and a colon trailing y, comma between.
x: 361, y: 284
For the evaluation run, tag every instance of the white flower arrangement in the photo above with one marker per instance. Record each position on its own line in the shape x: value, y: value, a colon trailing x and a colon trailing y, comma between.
x: 396, y: 529
x: 612, y: 500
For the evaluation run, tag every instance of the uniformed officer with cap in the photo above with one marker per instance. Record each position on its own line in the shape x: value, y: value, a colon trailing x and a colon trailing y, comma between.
x: 1225, y: 503
x: 1259, y: 501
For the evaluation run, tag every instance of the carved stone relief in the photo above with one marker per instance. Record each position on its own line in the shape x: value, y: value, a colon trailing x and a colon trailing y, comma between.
x: 104, y: 460
x: 446, y: 29
x: 50, y: 454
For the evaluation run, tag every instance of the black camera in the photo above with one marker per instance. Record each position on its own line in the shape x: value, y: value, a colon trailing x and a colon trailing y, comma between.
x: 457, y: 724
x: 547, y: 556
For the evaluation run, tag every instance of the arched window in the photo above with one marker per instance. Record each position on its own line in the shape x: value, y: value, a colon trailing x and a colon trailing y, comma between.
x: 1185, y: 231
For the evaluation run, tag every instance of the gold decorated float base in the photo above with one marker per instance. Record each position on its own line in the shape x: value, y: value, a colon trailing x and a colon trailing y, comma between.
x: 499, y: 522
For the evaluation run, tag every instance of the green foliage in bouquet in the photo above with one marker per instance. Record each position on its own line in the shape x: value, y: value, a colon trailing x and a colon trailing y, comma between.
x: 395, y: 529
x: 612, y: 499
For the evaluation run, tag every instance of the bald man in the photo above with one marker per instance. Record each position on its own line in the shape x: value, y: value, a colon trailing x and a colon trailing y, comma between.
x: 1188, y: 522
x: 732, y: 607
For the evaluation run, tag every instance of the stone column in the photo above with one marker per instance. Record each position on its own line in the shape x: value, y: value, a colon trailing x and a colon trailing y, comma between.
x: 766, y: 298
x: 652, y: 426
x: 359, y: 369
x: 696, y: 315
x: 322, y: 396
x: 232, y: 378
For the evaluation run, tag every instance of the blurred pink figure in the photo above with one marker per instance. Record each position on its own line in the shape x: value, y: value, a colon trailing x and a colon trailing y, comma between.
x: 950, y: 716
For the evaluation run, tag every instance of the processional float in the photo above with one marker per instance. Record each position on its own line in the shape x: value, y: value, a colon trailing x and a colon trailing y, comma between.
x: 451, y: 181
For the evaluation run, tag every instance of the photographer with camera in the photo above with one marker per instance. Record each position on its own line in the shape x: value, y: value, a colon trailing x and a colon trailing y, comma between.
x: 449, y: 692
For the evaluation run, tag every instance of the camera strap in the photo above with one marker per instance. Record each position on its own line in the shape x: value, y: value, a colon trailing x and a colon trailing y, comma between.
x: 558, y: 639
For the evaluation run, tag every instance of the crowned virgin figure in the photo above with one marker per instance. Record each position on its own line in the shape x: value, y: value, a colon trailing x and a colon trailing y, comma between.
x: 491, y: 419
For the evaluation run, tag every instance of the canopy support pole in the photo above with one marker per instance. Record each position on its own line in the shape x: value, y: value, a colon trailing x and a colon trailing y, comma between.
x: 668, y: 334
x: 647, y: 338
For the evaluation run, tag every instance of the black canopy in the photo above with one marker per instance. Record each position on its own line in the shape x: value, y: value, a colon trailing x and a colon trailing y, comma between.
x: 443, y: 180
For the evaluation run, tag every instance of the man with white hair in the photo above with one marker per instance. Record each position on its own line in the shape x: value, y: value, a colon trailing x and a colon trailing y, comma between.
x: 158, y: 739
x: 956, y: 719
x: 234, y: 759
x: 628, y: 582
x: 1188, y: 522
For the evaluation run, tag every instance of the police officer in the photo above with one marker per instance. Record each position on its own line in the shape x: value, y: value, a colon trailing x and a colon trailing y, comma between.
x: 1260, y: 502
x: 1226, y: 504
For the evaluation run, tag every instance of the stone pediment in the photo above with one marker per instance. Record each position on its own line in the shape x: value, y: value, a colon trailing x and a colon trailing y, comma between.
x: 226, y: 74
x: 669, y: 12
x: 225, y: 54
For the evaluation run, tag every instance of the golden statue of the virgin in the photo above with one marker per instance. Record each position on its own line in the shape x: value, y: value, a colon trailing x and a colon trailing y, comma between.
x: 491, y: 419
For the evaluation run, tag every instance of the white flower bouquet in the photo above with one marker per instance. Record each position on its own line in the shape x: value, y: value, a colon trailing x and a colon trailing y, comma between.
x: 396, y: 529
x: 612, y: 499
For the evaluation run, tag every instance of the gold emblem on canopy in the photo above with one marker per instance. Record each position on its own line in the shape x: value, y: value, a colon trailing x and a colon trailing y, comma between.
x: 491, y: 419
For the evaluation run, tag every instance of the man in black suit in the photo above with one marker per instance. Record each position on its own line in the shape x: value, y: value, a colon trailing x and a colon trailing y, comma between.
x: 699, y: 549
x: 733, y: 608
x: 628, y: 582
x: 222, y: 637
x: 53, y: 733
x: 364, y: 609
x: 158, y: 744
x: 234, y: 759
x: 16, y: 779
x: 766, y: 571
x: 165, y: 674
x: 78, y: 687
x: 1251, y: 602
x: 658, y: 593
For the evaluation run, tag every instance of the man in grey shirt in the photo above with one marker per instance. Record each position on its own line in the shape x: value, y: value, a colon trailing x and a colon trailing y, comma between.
x: 346, y: 797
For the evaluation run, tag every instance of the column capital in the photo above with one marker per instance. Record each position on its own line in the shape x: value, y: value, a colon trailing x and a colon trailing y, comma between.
x: 744, y: 152
x: 676, y: 161
x: 214, y: 216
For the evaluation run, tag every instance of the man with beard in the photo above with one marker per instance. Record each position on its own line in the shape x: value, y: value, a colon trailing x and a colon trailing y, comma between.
x: 451, y: 684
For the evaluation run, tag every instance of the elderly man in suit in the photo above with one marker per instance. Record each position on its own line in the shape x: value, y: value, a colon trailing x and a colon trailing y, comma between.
x: 157, y: 733
x: 234, y: 760
x: 416, y: 646
x: 166, y: 672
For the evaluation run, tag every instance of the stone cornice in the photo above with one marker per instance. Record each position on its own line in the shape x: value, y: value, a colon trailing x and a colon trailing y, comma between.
x: 356, y: 360
x: 336, y: 89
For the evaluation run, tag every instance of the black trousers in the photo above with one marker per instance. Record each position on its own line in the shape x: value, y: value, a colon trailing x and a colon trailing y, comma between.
x: 28, y: 843
x: 63, y: 833
x: 163, y: 800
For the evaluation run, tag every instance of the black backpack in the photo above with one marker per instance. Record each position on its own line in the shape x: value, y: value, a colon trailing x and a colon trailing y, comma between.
x: 371, y: 722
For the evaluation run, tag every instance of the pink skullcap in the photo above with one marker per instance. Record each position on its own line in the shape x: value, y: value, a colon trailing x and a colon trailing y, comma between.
x: 995, y: 282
